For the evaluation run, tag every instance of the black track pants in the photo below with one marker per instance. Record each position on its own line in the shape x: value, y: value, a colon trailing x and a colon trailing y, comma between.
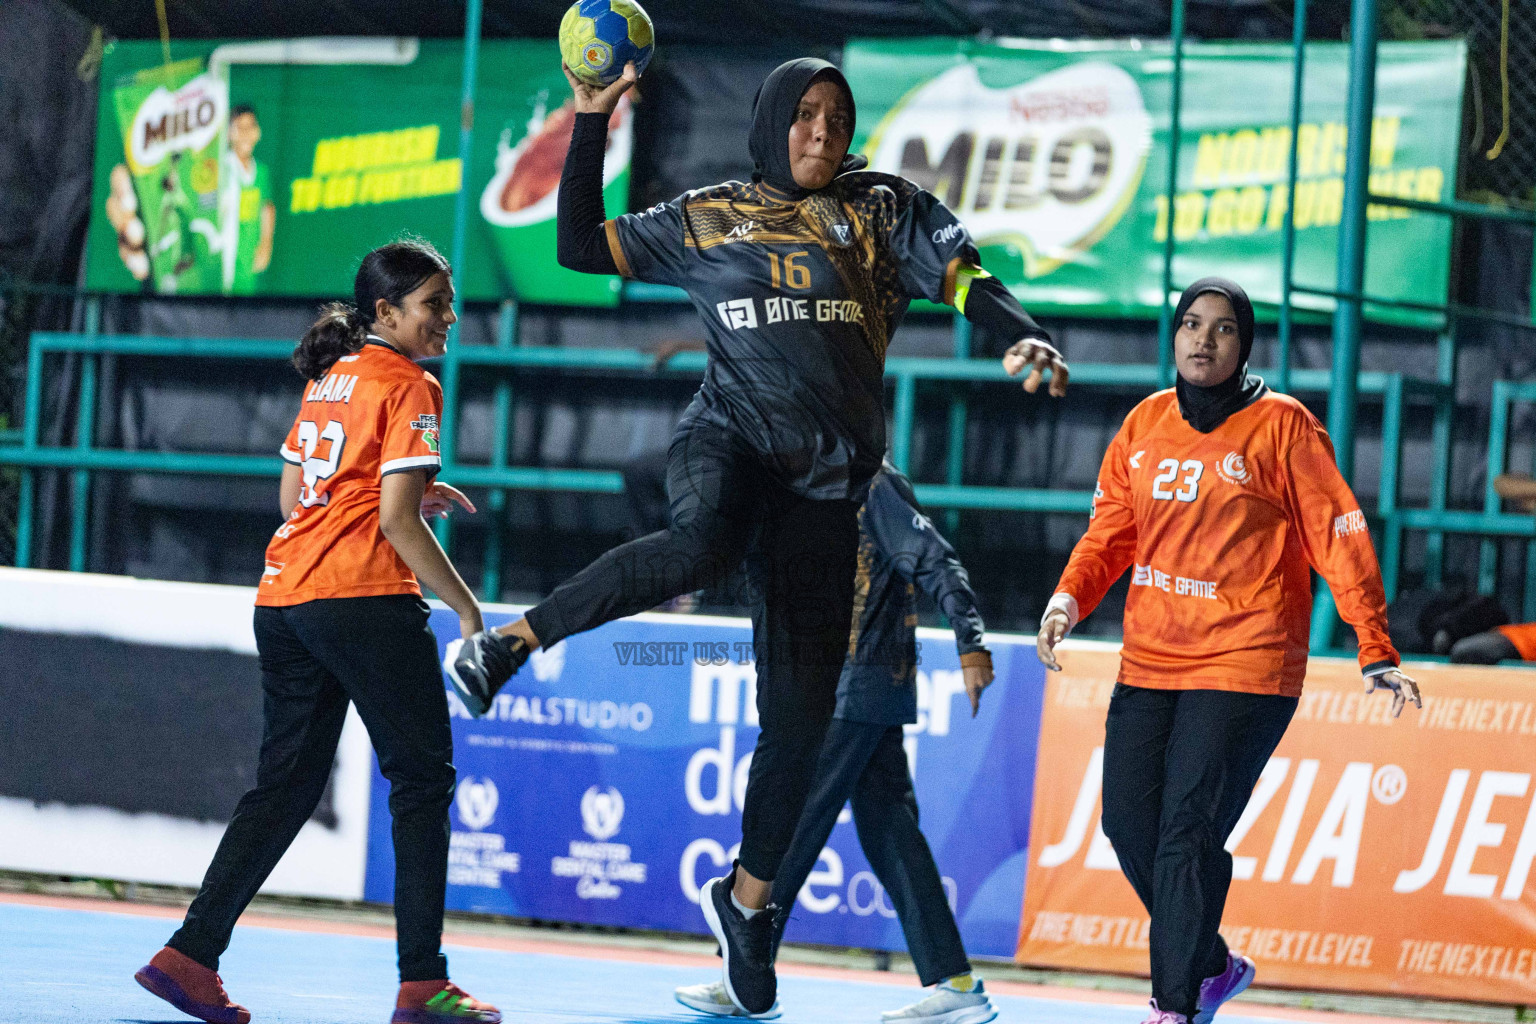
x: 1179, y: 766
x: 866, y: 763
x: 379, y: 653
x: 800, y: 556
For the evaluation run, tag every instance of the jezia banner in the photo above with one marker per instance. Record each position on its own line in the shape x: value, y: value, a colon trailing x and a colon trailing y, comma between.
x: 1055, y: 155
x: 1375, y: 855
x: 606, y: 784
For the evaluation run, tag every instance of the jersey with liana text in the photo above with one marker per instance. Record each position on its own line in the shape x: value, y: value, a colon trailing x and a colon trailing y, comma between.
x: 375, y: 413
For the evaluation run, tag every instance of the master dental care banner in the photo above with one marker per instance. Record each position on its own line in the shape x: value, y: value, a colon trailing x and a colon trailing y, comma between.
x: 270, y: 168
x: 1374, y: 855
x: 606, y: 784
x: 1055, y: 155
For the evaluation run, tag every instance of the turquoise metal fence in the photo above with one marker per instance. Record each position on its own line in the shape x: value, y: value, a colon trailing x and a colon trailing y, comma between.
x: 505, y: 359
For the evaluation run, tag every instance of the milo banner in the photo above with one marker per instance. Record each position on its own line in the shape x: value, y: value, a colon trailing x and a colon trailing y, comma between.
x: 1375, y: 855
x: 1055, y: 154
x: 269, y: 168
x: 605, y: 786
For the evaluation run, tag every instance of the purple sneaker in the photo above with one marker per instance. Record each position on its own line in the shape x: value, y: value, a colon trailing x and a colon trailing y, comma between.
x: 1217, y: 990
x: 1164, y: 1016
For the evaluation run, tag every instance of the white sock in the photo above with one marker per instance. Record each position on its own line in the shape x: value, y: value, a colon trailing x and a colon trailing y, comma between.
x: 747, y: 912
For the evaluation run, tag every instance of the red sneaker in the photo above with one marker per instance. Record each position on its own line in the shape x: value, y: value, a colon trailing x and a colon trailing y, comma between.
x: 191, y: 988
x: 440, y: 1002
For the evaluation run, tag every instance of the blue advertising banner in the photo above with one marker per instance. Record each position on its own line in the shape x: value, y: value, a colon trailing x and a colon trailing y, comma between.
x: 606, y: 782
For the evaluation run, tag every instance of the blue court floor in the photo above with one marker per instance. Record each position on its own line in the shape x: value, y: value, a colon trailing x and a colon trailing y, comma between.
x: 63, y: 964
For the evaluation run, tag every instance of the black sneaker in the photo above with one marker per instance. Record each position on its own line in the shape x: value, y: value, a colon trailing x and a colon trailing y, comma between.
x: 746, y: 944
x: 481, y: 665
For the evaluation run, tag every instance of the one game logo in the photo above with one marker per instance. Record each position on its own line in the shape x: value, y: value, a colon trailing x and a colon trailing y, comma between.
x: 738, y: 314
x: 477, y: 802
x: 1233, y: 469
x: 602, y: 812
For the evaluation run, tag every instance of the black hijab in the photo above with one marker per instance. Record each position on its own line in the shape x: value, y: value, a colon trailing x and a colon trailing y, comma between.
x: 1206, y: 407
x: 773, y: 113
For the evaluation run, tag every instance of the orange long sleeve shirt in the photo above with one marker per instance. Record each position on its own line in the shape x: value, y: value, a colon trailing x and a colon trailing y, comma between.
x: 1219, y: 530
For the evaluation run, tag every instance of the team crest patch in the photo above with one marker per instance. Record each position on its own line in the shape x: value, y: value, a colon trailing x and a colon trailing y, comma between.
x: 429, y: 438
x: 1233, y: 469
x: 842, y: 234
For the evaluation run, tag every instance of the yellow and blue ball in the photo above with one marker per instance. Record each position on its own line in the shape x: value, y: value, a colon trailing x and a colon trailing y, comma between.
x: 598, y: 37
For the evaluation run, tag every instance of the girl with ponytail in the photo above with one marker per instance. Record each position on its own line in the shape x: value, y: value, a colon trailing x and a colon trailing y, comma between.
x: 340, y: 619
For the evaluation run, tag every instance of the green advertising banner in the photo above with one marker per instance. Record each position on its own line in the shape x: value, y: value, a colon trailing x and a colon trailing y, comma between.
x: 1055, y: 155
x: 270, y: 168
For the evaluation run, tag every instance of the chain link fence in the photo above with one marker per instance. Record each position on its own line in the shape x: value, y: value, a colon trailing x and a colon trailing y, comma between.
x: 1498, y: 160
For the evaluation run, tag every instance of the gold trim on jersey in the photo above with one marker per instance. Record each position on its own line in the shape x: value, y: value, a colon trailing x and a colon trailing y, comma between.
x: 616, y: 249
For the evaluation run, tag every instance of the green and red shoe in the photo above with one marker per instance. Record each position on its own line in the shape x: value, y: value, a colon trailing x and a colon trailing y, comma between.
x: 440, y: 1002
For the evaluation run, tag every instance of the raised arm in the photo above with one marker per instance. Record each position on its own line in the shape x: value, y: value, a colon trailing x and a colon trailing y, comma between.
x: 581, y: 237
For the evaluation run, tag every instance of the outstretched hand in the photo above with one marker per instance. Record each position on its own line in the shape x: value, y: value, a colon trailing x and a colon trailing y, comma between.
x: 601, y: 99
x: 439, y: 500
x: 1403, y: 689
x: 1052, y: 630
x: 1039, y: 356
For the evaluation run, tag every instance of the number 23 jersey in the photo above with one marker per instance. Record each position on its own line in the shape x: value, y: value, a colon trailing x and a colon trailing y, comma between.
x: 1219, y: 531
x: 375, y: 413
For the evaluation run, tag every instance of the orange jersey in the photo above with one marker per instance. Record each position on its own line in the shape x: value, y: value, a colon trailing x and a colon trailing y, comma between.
x: 374, y: 414
x: 1523, y: 636
x: 1219, y: 530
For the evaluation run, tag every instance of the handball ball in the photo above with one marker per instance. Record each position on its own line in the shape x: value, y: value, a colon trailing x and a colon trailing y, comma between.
x: 598, y: 37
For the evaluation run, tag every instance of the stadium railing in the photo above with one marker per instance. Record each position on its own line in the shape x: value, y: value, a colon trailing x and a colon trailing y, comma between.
x: 505, y: 359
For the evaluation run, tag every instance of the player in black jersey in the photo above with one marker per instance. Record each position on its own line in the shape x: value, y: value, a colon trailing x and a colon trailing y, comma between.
x: 801, y: 275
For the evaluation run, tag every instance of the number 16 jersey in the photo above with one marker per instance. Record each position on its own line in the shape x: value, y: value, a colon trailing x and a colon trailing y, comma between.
x: 375, y: 413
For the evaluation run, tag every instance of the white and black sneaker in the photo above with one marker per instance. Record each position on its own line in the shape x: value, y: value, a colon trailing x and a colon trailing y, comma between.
x: 713, y: 1000
x: 748, y: 946
x: 480, y: 665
